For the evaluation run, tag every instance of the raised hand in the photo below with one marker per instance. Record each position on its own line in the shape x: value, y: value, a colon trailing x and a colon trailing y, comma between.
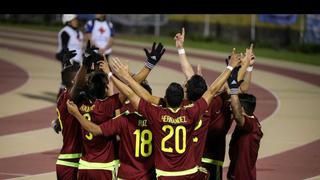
x: 154, y: 56
x: 120, y: 69
x: 90, y: 56
x: 252, y: 57
x: 67, y: 55
x: 179, y: 38
x: 235, y: 59
x: 72, y: 108
x: 104, y: 66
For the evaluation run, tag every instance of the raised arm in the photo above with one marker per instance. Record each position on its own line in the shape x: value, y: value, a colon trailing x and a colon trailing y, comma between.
x: 234, y: 85
x: 153, y: 57
x: 123, y: 88
x: 185, y: 65
x: 123, y: 73
x: 248, y: 75
x: 218, y: 83
x: 89, y: 57
x: 87, y: 125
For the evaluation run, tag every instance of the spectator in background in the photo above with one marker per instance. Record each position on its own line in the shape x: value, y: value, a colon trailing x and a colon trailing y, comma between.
x: 69, y: 38
x: 100, y: 32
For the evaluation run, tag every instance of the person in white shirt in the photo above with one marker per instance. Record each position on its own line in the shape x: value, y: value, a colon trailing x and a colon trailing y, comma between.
x: 100, y: 32
x: 70, y: 37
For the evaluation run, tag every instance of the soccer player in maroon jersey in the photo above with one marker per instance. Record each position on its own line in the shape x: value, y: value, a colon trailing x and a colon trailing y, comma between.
x: 172, y: 127
x: 245, y: 140
x: 136, y: 157
x: 68, y: 160
x: 210, y: 132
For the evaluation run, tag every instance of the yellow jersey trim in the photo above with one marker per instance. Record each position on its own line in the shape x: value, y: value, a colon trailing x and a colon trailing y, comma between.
x: 212, y: 161
x: 67, y: 163
x: 177, y: 173
x: 95, y: 165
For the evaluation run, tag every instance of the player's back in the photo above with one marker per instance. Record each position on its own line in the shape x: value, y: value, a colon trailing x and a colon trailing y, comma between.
x: 71, y: 128
x: 244, y: 147
x: 136, y: 149
x: 172, y: 131
x: 99, y: 152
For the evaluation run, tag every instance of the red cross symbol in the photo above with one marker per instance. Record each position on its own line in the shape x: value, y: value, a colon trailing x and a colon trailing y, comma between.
x: 102, y: 30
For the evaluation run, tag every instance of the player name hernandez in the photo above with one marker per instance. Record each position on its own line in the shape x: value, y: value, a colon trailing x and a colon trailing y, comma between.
x: 178, y: 120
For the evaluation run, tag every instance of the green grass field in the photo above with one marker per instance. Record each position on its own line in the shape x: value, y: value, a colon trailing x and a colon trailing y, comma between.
x: 284, y: 55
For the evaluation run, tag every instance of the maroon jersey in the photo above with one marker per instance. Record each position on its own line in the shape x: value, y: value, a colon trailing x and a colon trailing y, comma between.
x: 219, y: 118
x: 99, y: 149
x: 172, y: 131
x: 136, y: 149
x: 71, y: 128
x: 244, y: 147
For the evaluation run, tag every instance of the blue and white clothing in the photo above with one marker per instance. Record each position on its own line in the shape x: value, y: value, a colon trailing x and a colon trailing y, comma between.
x: 101, y: 32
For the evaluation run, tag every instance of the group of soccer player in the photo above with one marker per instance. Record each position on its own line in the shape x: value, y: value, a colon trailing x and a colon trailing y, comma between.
x: 135, y: 135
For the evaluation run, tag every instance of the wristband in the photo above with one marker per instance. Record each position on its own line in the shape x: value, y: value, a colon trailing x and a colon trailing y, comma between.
x: 234, y: 91
x: 230, y: 68
x: 181, y: 51
x: 149, y: 65
x: 249, y: 69
x: 109, y: 75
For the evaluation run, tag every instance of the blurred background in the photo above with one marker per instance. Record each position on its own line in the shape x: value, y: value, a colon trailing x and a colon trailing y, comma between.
x: 280, y: 32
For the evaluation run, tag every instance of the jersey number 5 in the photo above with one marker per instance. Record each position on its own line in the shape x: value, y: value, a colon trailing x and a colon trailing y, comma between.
x: 142, y: 141
x: 176, y: 132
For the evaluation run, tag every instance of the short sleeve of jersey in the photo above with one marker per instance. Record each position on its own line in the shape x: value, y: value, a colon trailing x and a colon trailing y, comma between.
x: 88, y: 27
x: 197, y: 109
x: 111, y: 28
x: 63, y: 98
x: 113, y: 126
x: 248, y: 124
x: 147, y: 110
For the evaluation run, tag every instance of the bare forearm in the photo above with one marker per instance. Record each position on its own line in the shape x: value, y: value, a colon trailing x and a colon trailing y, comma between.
x: 141, y: 92
x: 216, y: 85
x: 186, y: 66
x: 79, y: 82
x: 110, y: 88
x: 125, y: 90
x: 89, y: 126
x: 244, y: 87
x: 237, y: 110
x: 142, y: 74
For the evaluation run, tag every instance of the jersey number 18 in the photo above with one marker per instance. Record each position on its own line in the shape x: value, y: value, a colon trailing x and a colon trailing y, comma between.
x: 143, y: 140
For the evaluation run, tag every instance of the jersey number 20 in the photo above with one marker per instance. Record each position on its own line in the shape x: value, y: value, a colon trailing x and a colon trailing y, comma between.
x: 176, y: 132
x: 143, y: 139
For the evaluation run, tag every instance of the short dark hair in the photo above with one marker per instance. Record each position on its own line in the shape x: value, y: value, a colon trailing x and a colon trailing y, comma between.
x: 146, y: 86
x: 248, y: 102
x: 174, y: 95
x: 68, y: 74
x: 196, y: 86
x: 96, y: 85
